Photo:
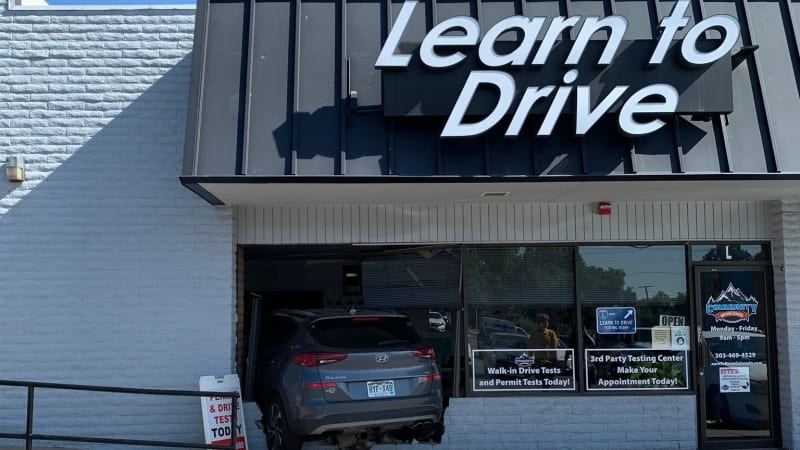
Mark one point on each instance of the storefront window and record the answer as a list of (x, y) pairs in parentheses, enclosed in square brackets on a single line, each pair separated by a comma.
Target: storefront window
[(635, 317), (521, 318), (423, 283), (729, 252)]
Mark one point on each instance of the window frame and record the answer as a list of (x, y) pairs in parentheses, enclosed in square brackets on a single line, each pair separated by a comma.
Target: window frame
[(579, 361), (466, 356)]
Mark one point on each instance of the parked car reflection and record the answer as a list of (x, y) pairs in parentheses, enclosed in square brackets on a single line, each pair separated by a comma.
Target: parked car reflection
[(737, 411), (436, 321)]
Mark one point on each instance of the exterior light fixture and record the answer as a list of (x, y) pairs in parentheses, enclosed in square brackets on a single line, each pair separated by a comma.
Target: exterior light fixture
[(15, 168)]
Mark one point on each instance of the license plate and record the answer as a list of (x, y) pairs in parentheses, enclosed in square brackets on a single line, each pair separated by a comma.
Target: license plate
[(380, 389)]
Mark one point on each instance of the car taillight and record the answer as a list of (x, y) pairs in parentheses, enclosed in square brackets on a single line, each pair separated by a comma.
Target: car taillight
[(325, 385), (429, 378), (425, 352), (311, 359)]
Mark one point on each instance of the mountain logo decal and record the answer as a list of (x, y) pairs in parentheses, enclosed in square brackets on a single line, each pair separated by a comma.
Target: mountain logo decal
[(731, 306)]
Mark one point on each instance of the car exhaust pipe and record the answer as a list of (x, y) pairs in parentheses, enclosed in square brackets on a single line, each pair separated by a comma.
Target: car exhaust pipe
[(422, 425)]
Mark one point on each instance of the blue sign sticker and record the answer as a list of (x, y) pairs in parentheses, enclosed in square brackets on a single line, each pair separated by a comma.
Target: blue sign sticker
[(616, 320)]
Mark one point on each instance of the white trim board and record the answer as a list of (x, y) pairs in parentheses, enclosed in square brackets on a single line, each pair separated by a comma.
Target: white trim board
[(501, 223)]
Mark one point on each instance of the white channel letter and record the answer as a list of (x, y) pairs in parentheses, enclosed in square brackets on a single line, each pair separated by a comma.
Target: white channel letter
[(670, 25), (557, 25), (501, 80), (530, 30), (585, 117), (635, 105), (529, 98), (618, 26), (689, 50), (387, 57), (436, 38), (557, 106)]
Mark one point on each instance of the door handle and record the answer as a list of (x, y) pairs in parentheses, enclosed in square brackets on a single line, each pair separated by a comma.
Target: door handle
[(703, 349)]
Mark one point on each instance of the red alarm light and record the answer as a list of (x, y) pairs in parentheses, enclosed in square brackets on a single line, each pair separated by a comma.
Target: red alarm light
[(604, 209)]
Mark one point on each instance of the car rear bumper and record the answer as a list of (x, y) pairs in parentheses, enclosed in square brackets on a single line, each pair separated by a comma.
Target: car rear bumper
[(382, 424), (360, 416)]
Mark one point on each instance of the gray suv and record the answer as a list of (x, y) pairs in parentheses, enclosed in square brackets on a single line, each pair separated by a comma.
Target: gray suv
[(345, 373)]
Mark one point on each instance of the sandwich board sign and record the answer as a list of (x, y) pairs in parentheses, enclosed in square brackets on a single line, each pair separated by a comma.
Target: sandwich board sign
[(217, 422)]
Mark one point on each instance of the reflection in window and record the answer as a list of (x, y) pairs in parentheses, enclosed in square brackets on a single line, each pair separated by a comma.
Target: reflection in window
[(519, 275), (521, 328), (438, 329), (729, 252), (635, 317), (418, 278), (523, 349), (422, 283)]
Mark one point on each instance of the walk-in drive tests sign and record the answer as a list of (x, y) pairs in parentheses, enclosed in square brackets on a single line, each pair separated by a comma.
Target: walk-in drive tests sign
[(616, 320)]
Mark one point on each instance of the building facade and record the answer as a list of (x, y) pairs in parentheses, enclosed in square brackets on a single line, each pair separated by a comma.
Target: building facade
[(324, 169)]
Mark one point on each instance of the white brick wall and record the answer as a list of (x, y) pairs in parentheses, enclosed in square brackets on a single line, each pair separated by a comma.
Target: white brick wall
[(786, 261), (607, 423), (111, 272)]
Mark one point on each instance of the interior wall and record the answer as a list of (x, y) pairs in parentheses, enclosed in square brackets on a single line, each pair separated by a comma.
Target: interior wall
[(296, 276)]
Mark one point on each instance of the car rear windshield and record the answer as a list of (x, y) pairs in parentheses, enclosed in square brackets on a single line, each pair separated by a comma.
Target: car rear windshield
[(364, 332)]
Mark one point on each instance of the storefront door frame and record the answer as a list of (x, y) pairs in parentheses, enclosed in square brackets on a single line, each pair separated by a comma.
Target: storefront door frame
[(697, 269)]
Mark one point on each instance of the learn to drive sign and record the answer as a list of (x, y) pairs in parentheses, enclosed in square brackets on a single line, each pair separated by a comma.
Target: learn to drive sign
[(448, 44), (616, 320), (217, 418)]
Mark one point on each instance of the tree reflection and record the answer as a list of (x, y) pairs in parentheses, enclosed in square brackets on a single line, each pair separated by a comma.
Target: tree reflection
[(729, 253)]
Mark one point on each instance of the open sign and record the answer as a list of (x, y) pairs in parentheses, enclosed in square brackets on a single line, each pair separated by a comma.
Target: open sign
[(669, 321)]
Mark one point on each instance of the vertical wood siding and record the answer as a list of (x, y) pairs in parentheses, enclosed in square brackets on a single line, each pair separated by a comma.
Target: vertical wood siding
[(509, 222)]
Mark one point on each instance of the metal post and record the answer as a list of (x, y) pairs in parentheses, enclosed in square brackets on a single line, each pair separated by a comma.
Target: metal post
[(234, 418), (28, 436), (29, 421)]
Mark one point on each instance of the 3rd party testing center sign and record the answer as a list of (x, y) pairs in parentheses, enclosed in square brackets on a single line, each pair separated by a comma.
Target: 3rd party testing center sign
[(217, 420)]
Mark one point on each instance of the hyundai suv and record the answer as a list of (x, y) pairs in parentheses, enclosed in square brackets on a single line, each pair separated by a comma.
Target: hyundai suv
[(333, 373)]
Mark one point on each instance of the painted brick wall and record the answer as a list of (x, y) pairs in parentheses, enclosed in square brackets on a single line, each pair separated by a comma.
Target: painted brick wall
[(111, 272), (786, 261), (612, 423)]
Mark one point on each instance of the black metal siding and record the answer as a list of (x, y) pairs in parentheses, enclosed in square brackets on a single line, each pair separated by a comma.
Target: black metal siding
[(299, 60)]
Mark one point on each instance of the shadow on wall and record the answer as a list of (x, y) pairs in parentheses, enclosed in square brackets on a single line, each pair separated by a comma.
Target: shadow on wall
[(112, 272), (319, 135)]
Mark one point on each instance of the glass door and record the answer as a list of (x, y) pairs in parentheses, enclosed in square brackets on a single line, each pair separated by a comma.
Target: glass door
[(736, 378)]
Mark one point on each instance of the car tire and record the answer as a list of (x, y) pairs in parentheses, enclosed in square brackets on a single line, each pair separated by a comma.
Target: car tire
[(279, 437)]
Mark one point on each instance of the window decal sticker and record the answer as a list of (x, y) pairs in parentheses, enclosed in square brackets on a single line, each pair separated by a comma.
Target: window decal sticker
[(731, 306)]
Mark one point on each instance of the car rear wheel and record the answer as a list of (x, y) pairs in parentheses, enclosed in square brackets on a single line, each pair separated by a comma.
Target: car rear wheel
[(278, 435)]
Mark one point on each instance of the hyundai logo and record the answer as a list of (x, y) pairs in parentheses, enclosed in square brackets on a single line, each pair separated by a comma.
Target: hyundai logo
[(381, 359)]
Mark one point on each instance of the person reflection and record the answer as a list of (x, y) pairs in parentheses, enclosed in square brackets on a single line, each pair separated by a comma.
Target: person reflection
[(543, 338)]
